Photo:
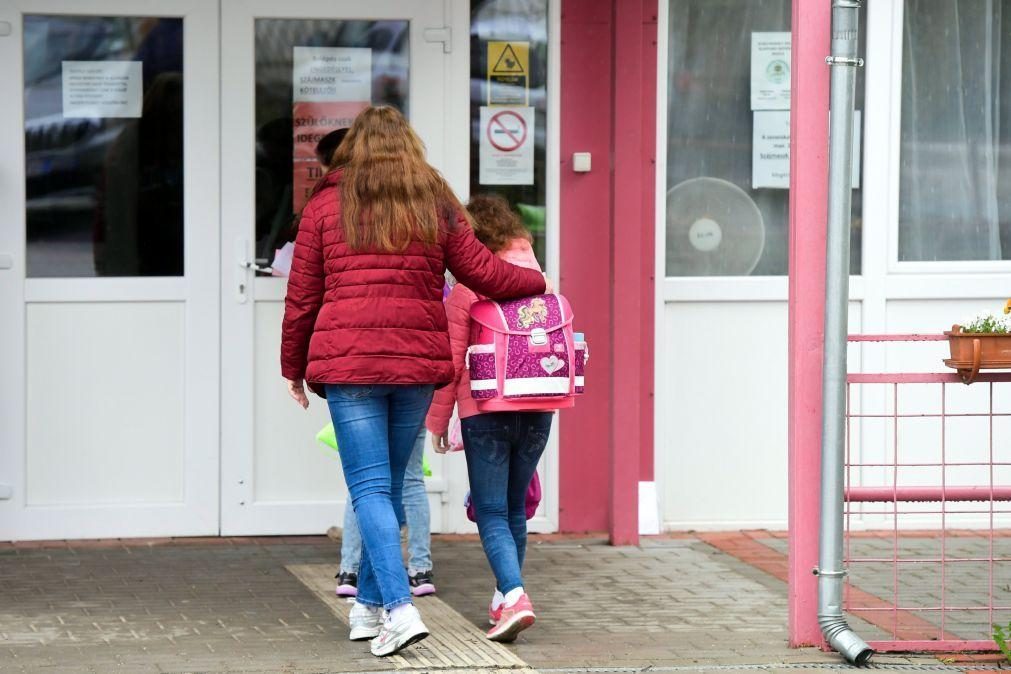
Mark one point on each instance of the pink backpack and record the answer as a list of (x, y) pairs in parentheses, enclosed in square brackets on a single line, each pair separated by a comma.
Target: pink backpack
[(522, 355)]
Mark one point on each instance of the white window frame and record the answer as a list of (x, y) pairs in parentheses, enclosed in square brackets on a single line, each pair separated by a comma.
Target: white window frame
[(895, 17), (709, 288)]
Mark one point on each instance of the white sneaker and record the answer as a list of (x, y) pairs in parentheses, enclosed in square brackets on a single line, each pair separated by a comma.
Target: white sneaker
[(395, 635), (365, 621)]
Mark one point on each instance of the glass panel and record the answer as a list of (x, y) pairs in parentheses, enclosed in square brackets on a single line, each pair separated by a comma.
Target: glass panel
[(727, 155), (955, 173), (103, 146), (509, 103), (313, 76)]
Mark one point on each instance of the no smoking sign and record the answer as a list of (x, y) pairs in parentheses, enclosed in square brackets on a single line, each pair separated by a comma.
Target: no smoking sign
[(507, 131), (507, 152)]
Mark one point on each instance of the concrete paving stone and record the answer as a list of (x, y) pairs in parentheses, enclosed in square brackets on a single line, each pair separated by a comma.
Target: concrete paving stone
[(232, 606)]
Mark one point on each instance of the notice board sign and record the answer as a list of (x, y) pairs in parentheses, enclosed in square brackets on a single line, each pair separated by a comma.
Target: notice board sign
[(770, 71), (509, 73), (96, 89), (330, 86), (507, 146)]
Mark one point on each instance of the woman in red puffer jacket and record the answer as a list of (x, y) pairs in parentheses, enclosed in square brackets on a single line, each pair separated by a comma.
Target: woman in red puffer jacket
[(364, 325)]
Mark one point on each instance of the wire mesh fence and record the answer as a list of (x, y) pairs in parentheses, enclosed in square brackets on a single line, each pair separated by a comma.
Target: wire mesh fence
[(928, 501)]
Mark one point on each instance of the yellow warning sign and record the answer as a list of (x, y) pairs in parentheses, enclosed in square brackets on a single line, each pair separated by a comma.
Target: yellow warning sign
[(508, 73)]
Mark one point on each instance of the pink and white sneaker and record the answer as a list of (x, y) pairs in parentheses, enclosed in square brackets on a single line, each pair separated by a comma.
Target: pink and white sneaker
[(494, 614), (512, 620)]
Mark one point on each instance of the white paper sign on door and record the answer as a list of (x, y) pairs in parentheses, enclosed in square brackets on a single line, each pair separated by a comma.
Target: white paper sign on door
[(102, 89), (330, 86), (770, 71), (332, 74), (507, 146), (770, 149)]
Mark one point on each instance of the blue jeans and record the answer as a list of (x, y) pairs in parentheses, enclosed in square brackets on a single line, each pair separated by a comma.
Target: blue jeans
[(376, 426), (502, 450), (419, 535)]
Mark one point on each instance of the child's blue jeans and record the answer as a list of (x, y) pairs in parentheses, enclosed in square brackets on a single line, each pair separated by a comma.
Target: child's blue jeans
[(502, 450)]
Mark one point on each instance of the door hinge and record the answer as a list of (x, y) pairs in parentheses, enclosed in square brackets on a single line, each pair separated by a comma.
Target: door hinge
[(6, 492), (443, 35)]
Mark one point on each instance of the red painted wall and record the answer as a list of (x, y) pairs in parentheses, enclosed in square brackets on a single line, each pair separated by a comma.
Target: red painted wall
[(608, 104), (649, 159), (585, 279)]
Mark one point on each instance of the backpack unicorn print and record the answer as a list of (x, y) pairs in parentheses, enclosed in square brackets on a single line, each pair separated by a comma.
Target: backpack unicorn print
[(522, 355)]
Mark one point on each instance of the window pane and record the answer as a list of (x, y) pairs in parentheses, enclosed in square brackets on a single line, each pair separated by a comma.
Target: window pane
[(718, 222), (509, 76), (343, 67), (955, 174), (103, 146)]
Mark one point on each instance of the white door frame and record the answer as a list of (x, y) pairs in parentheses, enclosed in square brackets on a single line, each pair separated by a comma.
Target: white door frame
[(445, 132), (197, 512)]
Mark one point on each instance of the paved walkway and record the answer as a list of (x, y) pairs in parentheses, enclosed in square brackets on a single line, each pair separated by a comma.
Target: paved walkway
[(693, 603)]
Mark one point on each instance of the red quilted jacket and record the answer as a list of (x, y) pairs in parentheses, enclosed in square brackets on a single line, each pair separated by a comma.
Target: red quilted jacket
[(357, 317)]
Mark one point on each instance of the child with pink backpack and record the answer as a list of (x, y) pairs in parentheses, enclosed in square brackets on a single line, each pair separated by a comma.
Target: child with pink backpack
[(516, 362)]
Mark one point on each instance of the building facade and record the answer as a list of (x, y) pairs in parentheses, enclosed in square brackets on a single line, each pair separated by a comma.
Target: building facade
[(160, 150)]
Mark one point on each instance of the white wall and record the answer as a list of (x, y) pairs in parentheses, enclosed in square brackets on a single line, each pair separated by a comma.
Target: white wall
[(721, 351), (721, 445)]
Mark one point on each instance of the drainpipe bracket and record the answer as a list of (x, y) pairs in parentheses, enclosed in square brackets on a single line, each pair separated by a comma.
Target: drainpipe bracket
[(830, 574), (844, 61)]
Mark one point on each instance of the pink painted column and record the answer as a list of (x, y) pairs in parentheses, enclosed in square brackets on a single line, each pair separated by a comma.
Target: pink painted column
[(647, 268), (585, 202), (607, 220), (627, 260), (808, 216)]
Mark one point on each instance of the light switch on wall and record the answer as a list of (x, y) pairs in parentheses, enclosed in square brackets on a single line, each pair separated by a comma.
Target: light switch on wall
[(581, 162)]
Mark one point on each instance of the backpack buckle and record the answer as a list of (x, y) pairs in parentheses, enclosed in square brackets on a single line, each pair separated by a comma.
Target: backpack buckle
[(538, 337)]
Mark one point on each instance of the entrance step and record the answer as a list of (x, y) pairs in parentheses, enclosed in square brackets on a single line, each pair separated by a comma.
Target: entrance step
[(455, 643)]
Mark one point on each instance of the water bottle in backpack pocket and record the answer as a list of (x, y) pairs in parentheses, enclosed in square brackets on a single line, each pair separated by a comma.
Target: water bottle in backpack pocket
[(523, 355)]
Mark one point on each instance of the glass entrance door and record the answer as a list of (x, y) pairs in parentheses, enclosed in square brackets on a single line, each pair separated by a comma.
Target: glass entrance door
[(108, 251), (291, 74)]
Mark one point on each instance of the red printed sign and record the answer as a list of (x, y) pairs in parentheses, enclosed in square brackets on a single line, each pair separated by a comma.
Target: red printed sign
[(311, 121)]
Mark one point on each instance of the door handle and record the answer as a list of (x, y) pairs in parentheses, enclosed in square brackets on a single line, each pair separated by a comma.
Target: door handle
[(256, 266), (6, 261), (245, 263)]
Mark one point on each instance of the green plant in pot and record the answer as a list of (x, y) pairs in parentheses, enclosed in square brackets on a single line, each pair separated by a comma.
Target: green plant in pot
[(981, 343)]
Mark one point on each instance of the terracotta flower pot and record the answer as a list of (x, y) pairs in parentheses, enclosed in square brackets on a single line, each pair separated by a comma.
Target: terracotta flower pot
[(975, 351)]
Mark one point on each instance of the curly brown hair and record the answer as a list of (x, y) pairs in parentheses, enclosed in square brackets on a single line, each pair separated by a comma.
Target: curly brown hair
[(496, 224)]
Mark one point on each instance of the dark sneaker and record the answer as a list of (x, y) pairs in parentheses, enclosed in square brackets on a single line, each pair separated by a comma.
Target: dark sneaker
[(421, 583), (347, 584)]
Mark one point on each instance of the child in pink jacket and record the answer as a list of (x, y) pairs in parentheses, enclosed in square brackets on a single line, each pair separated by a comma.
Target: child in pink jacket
[(502, 448)]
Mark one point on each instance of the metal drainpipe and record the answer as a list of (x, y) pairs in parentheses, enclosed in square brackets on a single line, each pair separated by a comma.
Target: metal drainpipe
[(844, 62)]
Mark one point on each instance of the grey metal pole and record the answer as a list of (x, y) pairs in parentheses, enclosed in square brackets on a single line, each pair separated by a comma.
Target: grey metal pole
[(844, 63)]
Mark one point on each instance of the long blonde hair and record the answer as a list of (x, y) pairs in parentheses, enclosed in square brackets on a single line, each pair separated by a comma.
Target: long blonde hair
[(390, 196)]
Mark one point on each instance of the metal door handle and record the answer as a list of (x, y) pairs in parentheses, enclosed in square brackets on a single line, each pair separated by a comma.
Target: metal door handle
[(255, 266)]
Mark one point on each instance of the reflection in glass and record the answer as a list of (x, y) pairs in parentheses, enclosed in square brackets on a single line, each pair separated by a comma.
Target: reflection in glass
[(104, 186), (955, 174), (522, 21), (709, 135), (374, 57)]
